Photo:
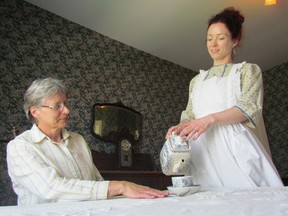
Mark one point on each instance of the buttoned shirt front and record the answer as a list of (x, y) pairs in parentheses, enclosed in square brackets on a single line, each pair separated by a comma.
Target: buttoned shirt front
[(44, 171)]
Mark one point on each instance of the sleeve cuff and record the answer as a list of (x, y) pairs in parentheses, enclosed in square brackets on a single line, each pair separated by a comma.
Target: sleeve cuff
[(101, 190), (251, 122)]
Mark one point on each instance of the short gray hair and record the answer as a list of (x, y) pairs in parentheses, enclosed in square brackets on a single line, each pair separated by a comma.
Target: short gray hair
[(41, 89)]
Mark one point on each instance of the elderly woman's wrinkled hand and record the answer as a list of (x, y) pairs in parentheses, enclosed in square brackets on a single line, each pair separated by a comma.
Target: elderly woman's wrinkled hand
[(132, 190)]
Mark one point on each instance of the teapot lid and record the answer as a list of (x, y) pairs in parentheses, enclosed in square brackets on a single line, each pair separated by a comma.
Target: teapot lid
[(178, 143)]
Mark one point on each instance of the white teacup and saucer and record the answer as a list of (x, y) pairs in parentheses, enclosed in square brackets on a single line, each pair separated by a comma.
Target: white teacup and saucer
[(183, 185)]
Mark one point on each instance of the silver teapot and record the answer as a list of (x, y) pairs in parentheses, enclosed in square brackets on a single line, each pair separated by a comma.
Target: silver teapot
[(174, 156)]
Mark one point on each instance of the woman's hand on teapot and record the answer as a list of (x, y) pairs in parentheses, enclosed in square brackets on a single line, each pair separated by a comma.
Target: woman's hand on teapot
[(176, 129), (196, 127)]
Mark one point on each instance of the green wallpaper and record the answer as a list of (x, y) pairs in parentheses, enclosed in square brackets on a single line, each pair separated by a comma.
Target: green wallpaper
[(35, 43), (275, 114), (97, 69)]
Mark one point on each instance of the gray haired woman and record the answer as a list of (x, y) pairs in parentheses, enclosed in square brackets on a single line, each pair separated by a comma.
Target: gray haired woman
[(50, 164)]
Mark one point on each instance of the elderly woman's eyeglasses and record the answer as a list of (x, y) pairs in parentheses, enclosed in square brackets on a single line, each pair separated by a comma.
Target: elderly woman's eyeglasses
[(57, 107)]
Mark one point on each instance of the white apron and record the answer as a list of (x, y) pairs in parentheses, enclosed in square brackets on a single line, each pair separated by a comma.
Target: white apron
[(227, 155)]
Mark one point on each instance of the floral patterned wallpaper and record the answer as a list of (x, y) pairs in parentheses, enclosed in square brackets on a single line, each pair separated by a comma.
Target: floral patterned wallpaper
[(275, 113), (97, 69), (35, 43)]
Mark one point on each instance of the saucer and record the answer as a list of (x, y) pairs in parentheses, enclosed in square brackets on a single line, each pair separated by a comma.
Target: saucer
[(183, 191)]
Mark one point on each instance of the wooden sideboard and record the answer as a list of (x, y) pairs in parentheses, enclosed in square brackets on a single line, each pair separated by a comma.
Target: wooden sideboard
[(154, 179), (141, 172)]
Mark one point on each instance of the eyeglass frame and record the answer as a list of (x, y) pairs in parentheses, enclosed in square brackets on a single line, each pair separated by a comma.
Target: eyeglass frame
[(57, 107)]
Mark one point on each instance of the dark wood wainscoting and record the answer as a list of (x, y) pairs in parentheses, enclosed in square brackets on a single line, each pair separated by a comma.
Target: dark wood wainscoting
[(141, 172)]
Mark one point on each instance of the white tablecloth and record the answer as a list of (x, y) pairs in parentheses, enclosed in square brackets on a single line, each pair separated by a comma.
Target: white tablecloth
[(258, 201)]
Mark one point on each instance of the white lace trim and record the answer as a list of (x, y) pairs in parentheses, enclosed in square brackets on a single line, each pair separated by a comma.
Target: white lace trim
[(233, 84)]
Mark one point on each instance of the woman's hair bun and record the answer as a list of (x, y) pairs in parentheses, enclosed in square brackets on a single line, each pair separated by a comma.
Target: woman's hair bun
[(232, 18)]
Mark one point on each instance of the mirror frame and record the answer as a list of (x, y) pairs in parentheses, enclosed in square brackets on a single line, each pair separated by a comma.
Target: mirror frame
[(120, 105)]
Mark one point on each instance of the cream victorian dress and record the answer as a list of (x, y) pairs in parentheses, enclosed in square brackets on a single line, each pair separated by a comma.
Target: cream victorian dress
[(229, 155)]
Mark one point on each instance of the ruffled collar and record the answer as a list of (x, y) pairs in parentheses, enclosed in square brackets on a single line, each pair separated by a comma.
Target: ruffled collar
[(217, 70)]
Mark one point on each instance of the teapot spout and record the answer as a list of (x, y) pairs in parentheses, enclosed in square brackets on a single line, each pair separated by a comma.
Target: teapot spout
[(181, 168)]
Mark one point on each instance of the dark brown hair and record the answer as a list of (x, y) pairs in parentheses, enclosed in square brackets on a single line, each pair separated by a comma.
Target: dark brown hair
[(233, 20)]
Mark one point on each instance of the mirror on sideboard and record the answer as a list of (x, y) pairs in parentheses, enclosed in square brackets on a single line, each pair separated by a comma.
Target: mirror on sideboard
[(112, 122)]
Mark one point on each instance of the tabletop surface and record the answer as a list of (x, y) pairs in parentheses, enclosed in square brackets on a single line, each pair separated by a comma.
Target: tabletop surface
[(236, 202)]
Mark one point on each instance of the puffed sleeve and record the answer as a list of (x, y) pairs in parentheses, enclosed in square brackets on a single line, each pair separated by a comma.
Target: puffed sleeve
[(188, 114), (251, 100)]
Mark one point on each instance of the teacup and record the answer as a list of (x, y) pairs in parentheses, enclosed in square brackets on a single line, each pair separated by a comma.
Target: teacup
[(182, 181)]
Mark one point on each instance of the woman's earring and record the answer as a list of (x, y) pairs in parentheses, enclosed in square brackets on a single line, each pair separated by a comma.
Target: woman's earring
[(234, 51)]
